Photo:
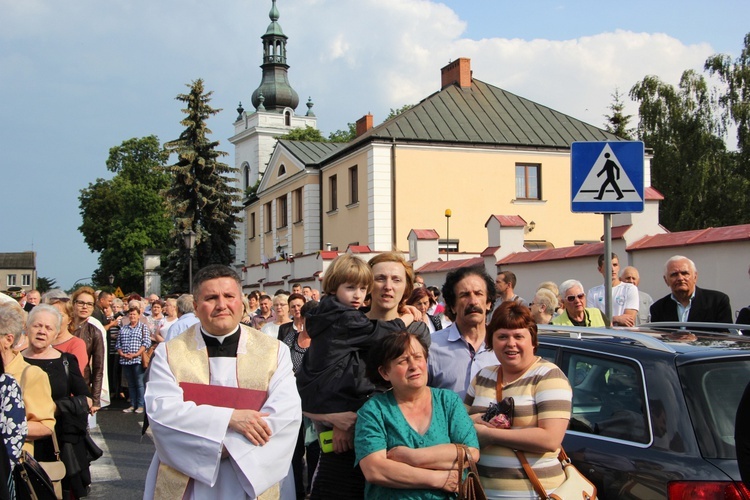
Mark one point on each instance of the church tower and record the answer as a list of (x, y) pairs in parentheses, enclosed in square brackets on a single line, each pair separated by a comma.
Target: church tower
[(275, 102)]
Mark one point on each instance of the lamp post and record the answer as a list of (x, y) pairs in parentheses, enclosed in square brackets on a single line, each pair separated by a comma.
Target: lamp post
[(111, 279), (188, 237), (447, 234)]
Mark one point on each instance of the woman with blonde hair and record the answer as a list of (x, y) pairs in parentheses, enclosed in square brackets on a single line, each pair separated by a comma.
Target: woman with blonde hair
[(280, 305)]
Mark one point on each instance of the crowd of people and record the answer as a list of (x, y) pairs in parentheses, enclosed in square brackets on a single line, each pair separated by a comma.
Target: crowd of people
[(374, 387)]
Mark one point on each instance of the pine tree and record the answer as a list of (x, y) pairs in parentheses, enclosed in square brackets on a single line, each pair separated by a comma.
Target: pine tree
[(617, 122), (201, 197)]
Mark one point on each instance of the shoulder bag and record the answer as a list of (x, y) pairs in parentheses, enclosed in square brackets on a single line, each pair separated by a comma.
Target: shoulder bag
[(575, 486), (469, 486)]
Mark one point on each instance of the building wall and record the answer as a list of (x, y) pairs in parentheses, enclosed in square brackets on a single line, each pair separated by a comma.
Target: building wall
[(476, 182), (19, 274)]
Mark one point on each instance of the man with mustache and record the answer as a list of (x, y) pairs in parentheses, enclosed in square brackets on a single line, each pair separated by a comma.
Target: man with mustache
[(459, 351)]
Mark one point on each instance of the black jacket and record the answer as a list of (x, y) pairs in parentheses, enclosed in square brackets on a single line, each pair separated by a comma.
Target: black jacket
[(332, 376), (707, 306)]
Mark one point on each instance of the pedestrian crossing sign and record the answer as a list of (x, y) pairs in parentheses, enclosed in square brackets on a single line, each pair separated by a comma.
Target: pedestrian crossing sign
[(607, 177)]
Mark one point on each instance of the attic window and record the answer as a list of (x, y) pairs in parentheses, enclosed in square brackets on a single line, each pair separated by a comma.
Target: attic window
[(282, 170)]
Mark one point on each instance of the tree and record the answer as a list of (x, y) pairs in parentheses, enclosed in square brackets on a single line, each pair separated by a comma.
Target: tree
[(691, 165), (45, 284), (125, 215), (617, 122), (735, 98), (304, 134), (201, 197), (344, 135)]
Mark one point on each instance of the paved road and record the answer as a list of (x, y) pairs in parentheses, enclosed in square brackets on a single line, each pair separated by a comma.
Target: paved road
[(121, 473)]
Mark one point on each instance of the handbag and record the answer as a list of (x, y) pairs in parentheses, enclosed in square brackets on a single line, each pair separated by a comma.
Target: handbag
[(575, 485), (32, 480), (469, 486), (147, 354)]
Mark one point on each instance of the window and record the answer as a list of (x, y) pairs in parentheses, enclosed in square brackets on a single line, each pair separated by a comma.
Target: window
[(282, 170), (353, 186), (252, 225), (332, 186), (281, 220), (26, 280), (297, 202), (246, 175), (11, 281), (450, 245), (267, 215), (528, 182), (608, 397)]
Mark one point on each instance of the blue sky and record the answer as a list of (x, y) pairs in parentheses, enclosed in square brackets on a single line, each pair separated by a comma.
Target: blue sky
[(80, 77)]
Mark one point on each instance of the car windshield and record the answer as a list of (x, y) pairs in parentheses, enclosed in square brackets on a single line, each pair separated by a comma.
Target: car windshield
[(713, 390)]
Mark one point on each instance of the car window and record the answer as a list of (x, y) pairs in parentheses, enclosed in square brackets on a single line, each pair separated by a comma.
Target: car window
[(546, 352), (608, 397), (713, 391)]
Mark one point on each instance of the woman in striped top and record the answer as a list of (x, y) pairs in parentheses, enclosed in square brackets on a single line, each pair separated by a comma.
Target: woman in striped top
[(542, 398)]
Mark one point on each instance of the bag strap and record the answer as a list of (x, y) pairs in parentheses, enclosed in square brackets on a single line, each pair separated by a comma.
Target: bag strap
[(532, 475)]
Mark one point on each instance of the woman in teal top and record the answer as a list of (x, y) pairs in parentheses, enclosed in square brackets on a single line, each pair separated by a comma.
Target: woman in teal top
[(404, 437)]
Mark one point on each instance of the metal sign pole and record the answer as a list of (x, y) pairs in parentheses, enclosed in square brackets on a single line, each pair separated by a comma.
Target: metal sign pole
[(607, 269)]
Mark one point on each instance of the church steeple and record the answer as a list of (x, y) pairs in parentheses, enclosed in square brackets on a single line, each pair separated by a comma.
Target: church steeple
[(274, 87)]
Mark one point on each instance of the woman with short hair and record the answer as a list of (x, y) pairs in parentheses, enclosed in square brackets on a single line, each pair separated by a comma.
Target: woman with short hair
[(132, 342), (542, 404), (280, 305)]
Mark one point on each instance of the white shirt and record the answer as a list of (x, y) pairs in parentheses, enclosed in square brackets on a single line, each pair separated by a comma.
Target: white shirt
[(624, 296)]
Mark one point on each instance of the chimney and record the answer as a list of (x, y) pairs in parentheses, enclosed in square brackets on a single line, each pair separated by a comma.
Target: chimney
[(456, 73), (364, 124)]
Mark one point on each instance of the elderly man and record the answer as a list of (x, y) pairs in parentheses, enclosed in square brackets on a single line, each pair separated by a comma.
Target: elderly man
[(576, 313), (630, 275), (33, 297), (458, 352), (185, 316), (687, 302), (236, 442), (624, 295)]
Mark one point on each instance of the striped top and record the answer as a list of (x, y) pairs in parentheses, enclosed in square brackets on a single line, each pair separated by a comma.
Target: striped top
[(542, 392)]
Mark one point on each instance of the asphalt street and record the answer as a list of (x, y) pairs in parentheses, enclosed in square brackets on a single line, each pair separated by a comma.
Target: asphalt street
[(121, 472)]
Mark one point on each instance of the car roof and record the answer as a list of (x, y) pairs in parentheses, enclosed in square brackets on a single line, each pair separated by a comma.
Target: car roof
[(685, 341)]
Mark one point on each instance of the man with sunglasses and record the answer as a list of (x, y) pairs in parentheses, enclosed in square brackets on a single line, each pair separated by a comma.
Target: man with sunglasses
[(576, 313)]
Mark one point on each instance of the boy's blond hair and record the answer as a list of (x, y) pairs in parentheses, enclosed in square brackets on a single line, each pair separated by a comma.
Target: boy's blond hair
[(347, 268)]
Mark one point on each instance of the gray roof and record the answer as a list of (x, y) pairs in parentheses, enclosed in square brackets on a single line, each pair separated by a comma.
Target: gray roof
[(487, 115), (312, 153), (18, 260)]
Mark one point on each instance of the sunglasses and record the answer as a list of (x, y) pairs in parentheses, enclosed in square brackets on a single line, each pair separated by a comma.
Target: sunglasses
[(572, 298)]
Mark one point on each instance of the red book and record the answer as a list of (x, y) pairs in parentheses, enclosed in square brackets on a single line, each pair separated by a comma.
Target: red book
[(225, 397)]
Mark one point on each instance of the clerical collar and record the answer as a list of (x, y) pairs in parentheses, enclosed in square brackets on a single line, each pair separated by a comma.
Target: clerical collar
[(224, 346)]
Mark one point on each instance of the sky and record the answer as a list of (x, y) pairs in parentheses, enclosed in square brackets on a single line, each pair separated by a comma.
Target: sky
[(82, 76)]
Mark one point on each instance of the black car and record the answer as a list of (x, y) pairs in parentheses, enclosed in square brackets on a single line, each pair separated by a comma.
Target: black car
[(653, 407)]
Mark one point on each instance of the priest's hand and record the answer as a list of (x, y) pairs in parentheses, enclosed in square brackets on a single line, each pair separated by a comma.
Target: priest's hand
[(250, 424)]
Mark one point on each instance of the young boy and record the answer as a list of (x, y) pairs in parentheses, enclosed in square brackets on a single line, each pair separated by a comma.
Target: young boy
[(332, 376)]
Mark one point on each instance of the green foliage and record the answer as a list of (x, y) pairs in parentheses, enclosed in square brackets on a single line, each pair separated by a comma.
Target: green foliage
[(124, 215), (201, 197), (395, 112), (45, 284), (691, 165), (344, 135), (617, 122), (304, 134)]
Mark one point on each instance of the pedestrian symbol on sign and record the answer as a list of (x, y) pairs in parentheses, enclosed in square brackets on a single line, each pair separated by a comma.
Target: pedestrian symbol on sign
[(607, 180)]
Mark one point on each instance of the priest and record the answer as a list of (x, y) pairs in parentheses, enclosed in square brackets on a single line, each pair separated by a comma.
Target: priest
[(235, 441)]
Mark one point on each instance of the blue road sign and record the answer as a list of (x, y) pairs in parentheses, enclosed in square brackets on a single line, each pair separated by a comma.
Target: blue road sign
[(607, 177)]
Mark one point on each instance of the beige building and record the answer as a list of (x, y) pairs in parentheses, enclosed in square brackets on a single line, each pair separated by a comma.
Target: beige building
[(470, 147), (18, 269)]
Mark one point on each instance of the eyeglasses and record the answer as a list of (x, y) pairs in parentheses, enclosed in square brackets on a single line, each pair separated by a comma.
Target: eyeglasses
[(83, 304), (572, 298)]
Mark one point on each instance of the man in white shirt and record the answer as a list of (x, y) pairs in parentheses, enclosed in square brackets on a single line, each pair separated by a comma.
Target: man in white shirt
[(221, 447), (624, 296)]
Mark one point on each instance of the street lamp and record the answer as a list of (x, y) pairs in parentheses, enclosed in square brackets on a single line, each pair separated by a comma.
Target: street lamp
[(447, 234), (111, 279), (188, 238)]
